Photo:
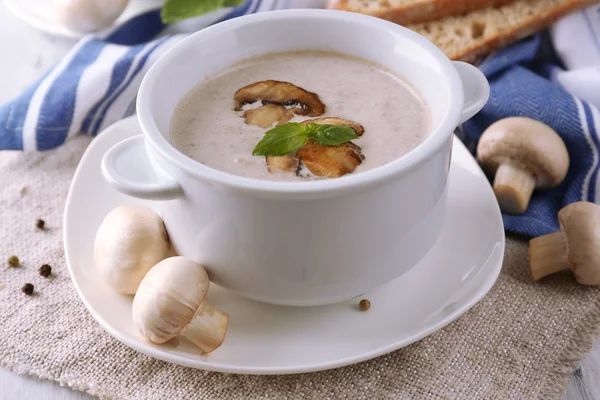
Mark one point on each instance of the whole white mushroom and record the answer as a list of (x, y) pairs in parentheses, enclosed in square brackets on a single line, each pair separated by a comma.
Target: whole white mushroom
[(576, 246), (130, 241), (86, 16), (524, 155), (171, 300)]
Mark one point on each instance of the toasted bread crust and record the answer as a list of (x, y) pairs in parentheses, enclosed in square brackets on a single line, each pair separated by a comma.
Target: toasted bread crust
[(420, 10), (520, 31), (471, 49)]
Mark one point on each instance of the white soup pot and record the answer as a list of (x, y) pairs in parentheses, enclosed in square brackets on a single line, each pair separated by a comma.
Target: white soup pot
[(299, 243)]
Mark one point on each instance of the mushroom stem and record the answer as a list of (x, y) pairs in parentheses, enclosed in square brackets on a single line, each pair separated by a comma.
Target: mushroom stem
[(548, 255), (513, 187), (207, 329)]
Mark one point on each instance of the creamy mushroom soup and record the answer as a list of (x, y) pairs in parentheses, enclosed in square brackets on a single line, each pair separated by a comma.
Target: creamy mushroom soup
[(334, 115)]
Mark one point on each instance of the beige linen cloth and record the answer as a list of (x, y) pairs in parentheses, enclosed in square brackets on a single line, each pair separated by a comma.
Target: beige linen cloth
[(522, 341)]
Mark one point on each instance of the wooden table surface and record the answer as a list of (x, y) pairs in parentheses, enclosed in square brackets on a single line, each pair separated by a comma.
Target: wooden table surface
[(27, 53)]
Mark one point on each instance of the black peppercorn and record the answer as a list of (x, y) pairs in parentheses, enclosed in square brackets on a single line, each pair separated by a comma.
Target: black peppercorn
[(13, 261), (27, 289), (45, 270), (40, 224)]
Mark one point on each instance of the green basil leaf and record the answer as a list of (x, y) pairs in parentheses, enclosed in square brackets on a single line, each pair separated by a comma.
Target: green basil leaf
[(233, 3), (177, 10), (331, 135), (281, 140)]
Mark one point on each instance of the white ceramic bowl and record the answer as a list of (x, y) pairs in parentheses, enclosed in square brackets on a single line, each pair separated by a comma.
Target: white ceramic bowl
[(299, 243)]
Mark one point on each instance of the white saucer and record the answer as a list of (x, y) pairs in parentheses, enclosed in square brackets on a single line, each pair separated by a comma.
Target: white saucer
[(266, 339), (40, 14)]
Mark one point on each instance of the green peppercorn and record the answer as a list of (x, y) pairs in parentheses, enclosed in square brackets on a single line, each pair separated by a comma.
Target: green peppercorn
[(13, 261)]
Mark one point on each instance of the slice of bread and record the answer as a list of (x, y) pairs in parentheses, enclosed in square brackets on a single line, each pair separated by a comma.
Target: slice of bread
[(405, 12), (478, 33)]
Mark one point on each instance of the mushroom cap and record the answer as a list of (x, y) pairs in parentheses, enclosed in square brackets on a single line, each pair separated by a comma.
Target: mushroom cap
[(169, 297), (280, 92), (130, 241), (527, 144), (581, 224)]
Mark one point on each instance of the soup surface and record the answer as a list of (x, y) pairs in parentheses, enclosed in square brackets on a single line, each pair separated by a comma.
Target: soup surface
[(206, 127)]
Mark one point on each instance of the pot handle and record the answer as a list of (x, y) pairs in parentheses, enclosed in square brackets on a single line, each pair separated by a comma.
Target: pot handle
[(476, 89), (126, 167)]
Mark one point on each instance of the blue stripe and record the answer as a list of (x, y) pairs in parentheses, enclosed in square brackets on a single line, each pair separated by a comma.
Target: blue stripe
[(138, 29), (119, 73), (590, 122), (58, 106), (139, 67), (13, 114)]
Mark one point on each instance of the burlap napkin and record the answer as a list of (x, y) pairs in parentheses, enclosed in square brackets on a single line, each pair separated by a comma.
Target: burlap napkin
[(521, 341)]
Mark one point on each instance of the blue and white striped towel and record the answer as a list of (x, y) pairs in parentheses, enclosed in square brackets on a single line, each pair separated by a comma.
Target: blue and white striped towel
[(96, 84)]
